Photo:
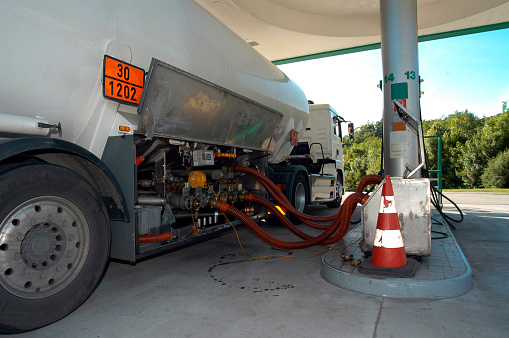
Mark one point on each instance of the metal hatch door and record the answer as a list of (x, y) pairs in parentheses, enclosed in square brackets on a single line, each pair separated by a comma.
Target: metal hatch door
[(179, 105)]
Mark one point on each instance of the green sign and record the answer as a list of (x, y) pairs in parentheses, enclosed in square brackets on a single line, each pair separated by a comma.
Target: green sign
[(399, 90)]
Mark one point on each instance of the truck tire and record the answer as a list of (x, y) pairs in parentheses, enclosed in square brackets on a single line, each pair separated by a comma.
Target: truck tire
[(54, 245), (300, 195), (339, 193)]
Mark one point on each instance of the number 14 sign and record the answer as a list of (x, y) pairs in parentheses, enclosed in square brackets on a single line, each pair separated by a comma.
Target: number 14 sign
[(122, 82)]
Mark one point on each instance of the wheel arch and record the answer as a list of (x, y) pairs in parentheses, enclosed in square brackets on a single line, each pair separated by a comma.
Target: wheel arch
[(73, 157), (286, 174)]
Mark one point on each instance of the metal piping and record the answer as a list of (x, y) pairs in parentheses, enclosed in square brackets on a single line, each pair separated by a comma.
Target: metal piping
[(151, 200), (26, 125)]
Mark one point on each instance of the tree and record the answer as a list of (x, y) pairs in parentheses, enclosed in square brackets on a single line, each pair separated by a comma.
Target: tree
[(490, 139), (362, 157), (455, 129), (370, 129), (470, 148), (496, 174)]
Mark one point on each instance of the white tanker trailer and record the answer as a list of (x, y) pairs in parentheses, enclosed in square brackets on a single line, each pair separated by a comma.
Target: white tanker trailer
[(120, 125)]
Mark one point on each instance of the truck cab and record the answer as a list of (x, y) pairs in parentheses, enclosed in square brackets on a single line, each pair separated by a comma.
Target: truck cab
[(324, 138), (313, 173)]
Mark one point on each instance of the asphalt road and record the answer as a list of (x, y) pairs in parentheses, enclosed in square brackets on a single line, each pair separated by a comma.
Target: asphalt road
[(477, 198)]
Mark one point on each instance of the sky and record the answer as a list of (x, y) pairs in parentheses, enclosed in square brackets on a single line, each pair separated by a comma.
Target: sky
[(469, 72)]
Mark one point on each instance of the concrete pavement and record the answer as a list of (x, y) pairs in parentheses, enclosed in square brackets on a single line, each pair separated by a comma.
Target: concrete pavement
[(213, 289)]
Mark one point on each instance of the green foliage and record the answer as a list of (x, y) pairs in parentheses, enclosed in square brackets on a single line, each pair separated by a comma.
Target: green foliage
[(455, 130), (491, 139), (370, 129), (474, 150), (496, 174), (362, 159), (363, 156)]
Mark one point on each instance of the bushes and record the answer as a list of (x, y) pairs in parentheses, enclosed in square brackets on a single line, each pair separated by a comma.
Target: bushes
[(490, 140), (496, 174), (361, 159), (455, 129), (474, 150), (363, 156)]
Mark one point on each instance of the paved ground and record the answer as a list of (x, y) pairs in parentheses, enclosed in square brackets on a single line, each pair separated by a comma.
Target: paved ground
[(212, 289), (477, 198)]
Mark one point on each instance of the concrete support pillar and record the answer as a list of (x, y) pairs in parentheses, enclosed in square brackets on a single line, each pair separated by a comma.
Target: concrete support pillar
[(400, 81)]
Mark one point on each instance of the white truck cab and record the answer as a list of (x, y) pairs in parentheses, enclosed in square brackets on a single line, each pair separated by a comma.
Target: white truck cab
[(313, 173)]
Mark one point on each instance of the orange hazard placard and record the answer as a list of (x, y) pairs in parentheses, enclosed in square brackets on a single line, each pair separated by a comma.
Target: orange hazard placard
[(398, 125), (122, 82)]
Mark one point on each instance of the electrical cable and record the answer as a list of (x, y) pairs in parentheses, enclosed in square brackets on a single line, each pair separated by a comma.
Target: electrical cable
[(435, 193), (286, 256), (444, 235)]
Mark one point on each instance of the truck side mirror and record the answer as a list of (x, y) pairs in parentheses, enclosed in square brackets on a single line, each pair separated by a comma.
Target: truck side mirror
[(350, 132)]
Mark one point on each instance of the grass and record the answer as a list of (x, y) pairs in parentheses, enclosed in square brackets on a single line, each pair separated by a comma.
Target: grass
[(496, 190), (487, 190)]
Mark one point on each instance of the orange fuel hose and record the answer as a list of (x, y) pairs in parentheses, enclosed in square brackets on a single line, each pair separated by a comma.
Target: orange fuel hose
[(274, 191), (341, 221), (332, 235), (155, 238)]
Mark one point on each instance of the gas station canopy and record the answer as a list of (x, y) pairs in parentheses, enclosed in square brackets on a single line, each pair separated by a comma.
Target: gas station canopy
[(295, 30)]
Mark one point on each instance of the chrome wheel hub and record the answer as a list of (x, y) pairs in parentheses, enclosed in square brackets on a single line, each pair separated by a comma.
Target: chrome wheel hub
[(44, 243)]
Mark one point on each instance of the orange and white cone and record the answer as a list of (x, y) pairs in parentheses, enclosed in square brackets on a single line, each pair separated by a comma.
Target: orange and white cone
[(388, 248)]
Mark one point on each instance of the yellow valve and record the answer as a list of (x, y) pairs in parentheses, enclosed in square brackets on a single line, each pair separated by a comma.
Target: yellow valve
[(197, 179)]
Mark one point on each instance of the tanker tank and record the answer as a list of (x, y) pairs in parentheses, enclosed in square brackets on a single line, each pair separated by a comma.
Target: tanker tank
[(52, 62)]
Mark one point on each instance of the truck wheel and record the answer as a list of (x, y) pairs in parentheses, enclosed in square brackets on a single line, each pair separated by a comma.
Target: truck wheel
[(54, 245), (339, 193), (300, 196)]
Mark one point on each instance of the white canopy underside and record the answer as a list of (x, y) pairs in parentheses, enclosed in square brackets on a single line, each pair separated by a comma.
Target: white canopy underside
[(293, 30)]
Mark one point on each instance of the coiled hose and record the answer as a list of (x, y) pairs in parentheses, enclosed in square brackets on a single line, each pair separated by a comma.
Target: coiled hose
[(274, 191), (333, 232)]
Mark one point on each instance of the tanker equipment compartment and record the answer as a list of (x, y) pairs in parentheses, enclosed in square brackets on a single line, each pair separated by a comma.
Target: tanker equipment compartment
[(84, 177), (188, 142)]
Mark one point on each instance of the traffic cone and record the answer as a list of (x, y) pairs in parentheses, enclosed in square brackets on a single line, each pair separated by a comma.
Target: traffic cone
[(388, 258), (388, 248)]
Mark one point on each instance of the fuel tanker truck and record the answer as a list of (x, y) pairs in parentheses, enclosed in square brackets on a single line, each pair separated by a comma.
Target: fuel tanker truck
[(128, 128)]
